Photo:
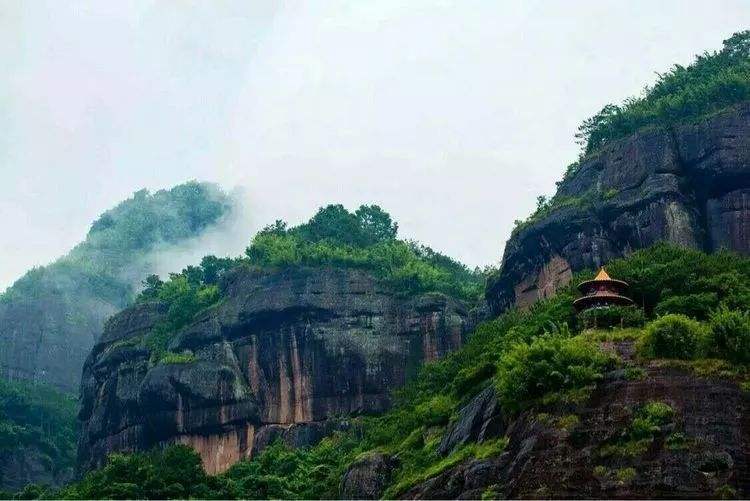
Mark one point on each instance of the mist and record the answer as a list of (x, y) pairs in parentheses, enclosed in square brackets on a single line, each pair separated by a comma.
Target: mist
[(452, 116), (229, 237)]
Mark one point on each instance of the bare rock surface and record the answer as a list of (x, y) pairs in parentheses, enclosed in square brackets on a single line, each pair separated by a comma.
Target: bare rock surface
[(285, 355), (368, 477)]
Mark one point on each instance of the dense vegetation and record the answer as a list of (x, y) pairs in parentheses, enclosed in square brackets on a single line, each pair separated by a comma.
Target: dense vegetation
[(537, 358), (186, 294), (363, 239), (713, 81), (40, 418)]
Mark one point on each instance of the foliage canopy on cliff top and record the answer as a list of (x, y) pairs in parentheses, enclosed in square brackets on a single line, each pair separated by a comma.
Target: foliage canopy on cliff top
[(713, 81), (334, 236), (366, 238)]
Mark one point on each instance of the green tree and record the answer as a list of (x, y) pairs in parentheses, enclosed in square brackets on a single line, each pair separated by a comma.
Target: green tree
[(375, 225)]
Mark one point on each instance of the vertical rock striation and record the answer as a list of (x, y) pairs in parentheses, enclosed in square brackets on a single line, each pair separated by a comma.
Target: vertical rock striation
[(284, 353)]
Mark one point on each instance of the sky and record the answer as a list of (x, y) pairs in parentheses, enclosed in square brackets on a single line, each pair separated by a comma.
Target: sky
[(451, 115)]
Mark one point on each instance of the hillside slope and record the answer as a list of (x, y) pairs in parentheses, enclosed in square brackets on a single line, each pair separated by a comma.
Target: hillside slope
[(532, 405), (50, 317)]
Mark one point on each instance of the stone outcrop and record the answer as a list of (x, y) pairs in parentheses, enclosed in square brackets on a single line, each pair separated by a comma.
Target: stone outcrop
[(479, 419), (702, 453), (368, 477), (689, 185), (285, 355)]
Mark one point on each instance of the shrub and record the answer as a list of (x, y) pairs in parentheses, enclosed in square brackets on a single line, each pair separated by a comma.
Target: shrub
[(469, 380), (696, 306), (549, 363), (672, 336), (178, 358), (613, 316), (729, 336), (638, 436), (436, 411), (664, 271)]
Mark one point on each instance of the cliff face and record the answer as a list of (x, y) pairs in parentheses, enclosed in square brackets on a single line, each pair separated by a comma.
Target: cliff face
[(46, 338), (285, 354), (689, 185)]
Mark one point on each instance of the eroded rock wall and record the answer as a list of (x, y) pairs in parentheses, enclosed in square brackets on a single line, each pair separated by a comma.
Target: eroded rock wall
[(689, 185), (702, 453), (283, 354)]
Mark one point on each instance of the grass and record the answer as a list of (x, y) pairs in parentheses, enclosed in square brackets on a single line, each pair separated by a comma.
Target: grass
[(490, 493), (635, 374), (678, 441), (484, 450), (640, 433), (177, 358), (630, 448), (622, 475), (614, 335), (625, 475), (709, 367), (725, 492), (610, 194), (574, 396), (567, 423)]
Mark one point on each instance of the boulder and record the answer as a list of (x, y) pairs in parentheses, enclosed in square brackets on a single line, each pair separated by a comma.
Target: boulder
[(478, 420), (368, 477)]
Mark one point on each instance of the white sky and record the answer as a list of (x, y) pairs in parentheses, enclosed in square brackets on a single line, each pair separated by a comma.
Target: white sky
[(451, 115)]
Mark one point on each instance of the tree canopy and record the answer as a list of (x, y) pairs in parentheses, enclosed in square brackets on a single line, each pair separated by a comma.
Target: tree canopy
[(712, 82)]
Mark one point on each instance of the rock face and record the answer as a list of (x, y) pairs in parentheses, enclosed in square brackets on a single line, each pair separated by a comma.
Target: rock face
[(45, 339), (702, 453), (283, 355), (367, 478), (481, 418), (689, 185)]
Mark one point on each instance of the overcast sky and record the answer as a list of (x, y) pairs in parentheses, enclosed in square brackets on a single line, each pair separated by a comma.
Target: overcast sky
[(453, 116)]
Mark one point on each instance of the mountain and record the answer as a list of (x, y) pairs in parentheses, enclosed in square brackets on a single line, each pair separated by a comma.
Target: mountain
[(314, 325), (532, 405), (51, 317), (298, 370), (688, 184)]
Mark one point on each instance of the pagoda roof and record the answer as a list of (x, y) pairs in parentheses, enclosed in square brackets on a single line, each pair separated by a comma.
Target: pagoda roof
[(602, 278), (602, 275)]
